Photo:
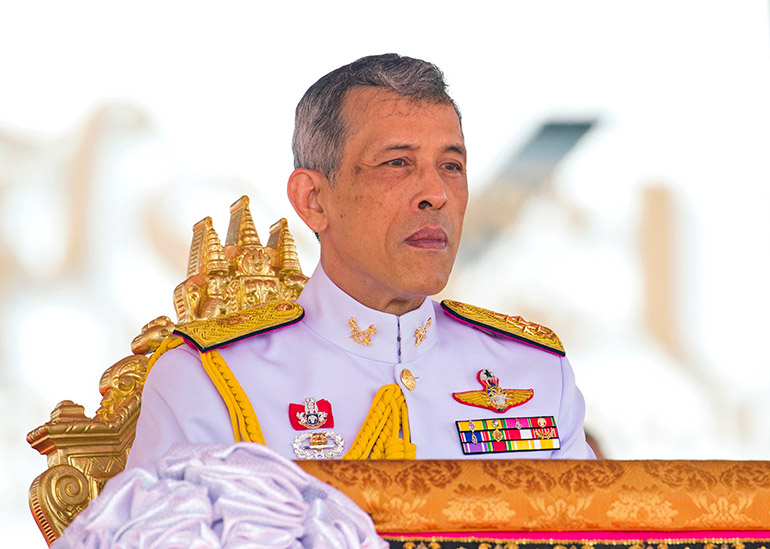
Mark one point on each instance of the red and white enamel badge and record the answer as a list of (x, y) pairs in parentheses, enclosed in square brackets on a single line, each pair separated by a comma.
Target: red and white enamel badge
[(493, 397), (312, 415)]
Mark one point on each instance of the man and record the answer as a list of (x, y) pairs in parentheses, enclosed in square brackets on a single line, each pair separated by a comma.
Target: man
[(364, 365)]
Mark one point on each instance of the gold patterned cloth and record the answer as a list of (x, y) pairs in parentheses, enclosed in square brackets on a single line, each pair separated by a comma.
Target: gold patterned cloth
[(216, 332), (456, 496)]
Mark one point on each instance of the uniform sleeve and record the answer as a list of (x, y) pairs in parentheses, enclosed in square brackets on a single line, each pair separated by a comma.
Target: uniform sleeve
[(179, 404), (572, 411)]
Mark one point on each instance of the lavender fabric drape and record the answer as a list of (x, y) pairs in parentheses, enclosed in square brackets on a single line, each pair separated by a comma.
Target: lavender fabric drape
[(211, 496)]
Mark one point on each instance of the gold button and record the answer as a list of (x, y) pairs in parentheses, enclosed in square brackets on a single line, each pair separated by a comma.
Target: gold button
[(407, 378)]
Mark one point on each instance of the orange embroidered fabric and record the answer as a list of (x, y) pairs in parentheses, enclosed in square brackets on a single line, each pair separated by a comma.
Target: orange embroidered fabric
[(563, 495)]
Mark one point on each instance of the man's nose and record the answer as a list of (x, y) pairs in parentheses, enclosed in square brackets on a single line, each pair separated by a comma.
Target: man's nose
[(432, 191)]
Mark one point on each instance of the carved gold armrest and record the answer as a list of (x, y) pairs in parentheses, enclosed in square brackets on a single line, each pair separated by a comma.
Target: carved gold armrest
[(83, 452)]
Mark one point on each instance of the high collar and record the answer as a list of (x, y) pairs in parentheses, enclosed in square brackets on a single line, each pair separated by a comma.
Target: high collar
[(329, 312)]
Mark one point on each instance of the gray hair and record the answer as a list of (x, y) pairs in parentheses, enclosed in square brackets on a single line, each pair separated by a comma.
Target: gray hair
[(320, 128)]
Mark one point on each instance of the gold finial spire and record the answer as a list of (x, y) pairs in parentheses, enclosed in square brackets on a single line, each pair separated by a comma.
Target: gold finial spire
[(283, 242), (248, 237), (215, 252), (242, 232), (196, 259), (242, 273)]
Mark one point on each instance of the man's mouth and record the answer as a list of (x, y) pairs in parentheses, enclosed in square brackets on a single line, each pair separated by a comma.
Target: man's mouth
[(429, 239)]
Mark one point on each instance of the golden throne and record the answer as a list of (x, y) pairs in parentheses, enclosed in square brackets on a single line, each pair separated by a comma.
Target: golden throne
[(84, 452), (428, 504)]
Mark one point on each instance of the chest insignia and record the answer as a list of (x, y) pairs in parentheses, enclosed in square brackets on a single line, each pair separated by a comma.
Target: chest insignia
[(493, 397), (362, 337), (318, 445), (509, 434), (312, 415), (312, 444), (420, 333)]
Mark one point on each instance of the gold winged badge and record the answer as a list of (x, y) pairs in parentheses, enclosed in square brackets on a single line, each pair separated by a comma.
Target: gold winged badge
[(493, 397)]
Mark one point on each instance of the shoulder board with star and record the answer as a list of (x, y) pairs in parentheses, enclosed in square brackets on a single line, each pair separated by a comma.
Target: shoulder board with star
[(206, 335), (513, 327)]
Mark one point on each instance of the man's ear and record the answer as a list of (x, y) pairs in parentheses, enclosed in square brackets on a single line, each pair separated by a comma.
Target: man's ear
[(304, 189)]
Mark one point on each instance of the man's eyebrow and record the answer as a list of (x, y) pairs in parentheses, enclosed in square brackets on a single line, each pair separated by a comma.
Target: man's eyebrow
[(399, 147), (456, 148)]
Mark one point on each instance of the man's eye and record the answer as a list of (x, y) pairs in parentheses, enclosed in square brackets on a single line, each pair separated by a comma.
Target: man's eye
[(453, 166), (396, 162)]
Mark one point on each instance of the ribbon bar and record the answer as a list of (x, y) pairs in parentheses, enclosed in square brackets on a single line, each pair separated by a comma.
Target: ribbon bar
[(481, 436)]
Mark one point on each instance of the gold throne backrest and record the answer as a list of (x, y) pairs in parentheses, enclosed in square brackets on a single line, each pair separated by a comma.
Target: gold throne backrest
[(84, 452)]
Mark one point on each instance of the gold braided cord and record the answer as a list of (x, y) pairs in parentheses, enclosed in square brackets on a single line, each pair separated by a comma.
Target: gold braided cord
[(227, 396), (378, 437), (242, 415), (410, 450), (373, 425), (388, 421), (166, 345)]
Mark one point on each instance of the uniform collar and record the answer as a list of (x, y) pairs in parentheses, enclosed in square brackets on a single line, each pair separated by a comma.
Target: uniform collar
[(329, 312)]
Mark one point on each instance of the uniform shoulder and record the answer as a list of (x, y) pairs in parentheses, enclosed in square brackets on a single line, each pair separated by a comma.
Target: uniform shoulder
[(513, 327), (206, 335)]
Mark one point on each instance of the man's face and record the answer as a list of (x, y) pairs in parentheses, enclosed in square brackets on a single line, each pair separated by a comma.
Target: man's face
[(395, 210)]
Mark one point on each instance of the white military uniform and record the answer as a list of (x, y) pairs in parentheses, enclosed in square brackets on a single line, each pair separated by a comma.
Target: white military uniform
[(318, 357)]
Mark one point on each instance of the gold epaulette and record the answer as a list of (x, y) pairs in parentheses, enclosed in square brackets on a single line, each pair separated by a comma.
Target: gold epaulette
[(215, 332), (513, 327)]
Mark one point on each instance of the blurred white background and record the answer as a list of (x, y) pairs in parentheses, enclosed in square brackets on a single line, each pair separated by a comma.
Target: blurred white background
[(644, 245)]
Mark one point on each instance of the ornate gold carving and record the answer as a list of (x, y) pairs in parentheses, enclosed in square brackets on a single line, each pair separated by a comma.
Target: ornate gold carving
[(56, 497), (241, 274), (362, 337), (512, 325), (420, 333), (152, 335), (84, 452)]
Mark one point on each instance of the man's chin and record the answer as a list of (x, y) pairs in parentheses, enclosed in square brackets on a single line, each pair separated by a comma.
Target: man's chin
[(432, 276), (430, 285)]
